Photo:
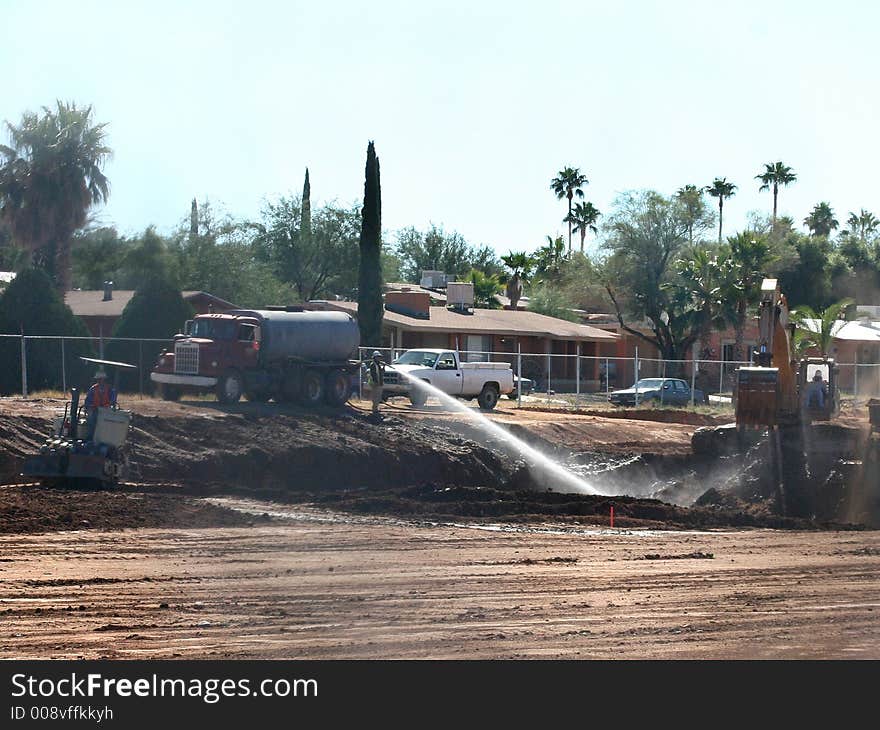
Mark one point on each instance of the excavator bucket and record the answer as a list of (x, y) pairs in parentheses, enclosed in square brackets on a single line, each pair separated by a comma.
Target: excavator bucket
[(757, 396)]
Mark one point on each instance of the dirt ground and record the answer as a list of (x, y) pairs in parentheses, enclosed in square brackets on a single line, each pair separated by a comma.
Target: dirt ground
[(263, 531), (329, 587)]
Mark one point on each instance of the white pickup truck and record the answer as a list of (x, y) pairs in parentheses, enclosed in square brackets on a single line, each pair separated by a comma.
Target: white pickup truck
[(485, 381)]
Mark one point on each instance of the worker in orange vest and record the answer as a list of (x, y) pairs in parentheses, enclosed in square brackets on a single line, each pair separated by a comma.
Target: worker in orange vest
[(100, 395)]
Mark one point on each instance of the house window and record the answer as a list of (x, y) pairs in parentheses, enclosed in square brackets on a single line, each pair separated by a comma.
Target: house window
[(478, 348), (728, 352)]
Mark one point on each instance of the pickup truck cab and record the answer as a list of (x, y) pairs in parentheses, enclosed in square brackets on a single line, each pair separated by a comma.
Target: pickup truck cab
[(485, 381)]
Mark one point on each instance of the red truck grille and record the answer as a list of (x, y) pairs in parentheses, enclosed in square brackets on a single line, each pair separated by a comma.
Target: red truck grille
[(186, 358)]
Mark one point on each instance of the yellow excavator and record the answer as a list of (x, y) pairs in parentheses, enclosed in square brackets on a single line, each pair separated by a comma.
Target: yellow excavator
[(777, 389)]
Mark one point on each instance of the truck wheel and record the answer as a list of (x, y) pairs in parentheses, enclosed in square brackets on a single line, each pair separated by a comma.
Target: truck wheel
[(488, 397), (230, 387), (312, 388), (337, 387), (169, 392)]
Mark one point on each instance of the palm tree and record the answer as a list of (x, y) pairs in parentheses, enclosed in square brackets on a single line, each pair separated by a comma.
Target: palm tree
[(821, 220), (548, 259), (749, 257), (485, 289), (775, 174), (691, 199), (863, 224), (821, 326), (568, 183), (520, 265), (50, 177), (583, 217), (706, 277), (721, 189)]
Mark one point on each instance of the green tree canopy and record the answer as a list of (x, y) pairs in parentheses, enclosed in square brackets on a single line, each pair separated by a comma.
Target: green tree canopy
[(821, 326), (646, 234), (821, 220), (697, 215), (50, 177), (32, 306), (775, 175), (437, 250), (485, 289), (721, 189), (568, 183), (370, 307), (519, 268)]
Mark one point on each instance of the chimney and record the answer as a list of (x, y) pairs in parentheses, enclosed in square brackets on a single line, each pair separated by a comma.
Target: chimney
[(108, 291), (409, 303)]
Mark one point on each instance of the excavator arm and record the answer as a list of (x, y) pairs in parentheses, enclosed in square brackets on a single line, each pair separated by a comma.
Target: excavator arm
[(767, 390)]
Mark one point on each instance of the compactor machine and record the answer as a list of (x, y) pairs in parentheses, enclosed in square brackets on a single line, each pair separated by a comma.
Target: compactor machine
[(70, 456)]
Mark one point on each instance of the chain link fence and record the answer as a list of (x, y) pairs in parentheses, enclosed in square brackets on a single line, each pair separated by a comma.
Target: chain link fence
[(582, 380), (38, 362), (29, 363)]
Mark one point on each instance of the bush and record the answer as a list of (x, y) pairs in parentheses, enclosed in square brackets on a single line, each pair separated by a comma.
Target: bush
[(30, 304), (156, 311)]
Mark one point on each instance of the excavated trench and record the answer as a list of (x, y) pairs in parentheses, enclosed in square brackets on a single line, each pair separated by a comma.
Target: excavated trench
[(425, 469)]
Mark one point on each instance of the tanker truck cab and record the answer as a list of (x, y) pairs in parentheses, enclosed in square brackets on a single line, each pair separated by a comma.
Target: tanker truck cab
[(285, 354), (485, 381)]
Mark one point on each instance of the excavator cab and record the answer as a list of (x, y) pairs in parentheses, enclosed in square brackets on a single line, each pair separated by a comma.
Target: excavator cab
[(817, 388), (766, 391)]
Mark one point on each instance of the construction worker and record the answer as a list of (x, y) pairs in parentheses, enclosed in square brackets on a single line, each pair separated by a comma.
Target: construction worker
[(376, 378), (817, 391), (100, 395)]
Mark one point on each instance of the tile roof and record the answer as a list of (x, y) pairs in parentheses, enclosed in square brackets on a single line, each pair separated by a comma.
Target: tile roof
[(485, 321), (90, 302), (859, 330)]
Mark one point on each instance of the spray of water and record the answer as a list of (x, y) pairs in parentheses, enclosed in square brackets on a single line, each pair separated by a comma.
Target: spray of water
[(543, 469)]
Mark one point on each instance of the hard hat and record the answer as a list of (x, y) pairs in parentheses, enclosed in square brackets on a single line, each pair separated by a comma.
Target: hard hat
[(100, 374), (376, 354)]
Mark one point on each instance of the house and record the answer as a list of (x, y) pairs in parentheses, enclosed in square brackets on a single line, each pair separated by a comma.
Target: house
[(100, 308), (410, 321), (856, 348)]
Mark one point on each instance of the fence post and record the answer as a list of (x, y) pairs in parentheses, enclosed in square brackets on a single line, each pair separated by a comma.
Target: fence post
[(63, 368), (518, 374), (577, 375), (141, 367), (636, 367), (720, 377), (361, 374), (24, 389), (856, 378), (548, 376), (662, 375), (607, 378), (693, 380)]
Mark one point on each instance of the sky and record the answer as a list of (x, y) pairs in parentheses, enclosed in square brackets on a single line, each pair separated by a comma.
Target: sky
[(473, 106)]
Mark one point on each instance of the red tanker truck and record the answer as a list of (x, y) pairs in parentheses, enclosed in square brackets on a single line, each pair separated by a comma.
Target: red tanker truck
[(284, 353)]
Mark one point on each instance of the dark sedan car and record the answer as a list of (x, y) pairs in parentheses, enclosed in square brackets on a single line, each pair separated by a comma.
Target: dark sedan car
[(527, 385), (658, 391)]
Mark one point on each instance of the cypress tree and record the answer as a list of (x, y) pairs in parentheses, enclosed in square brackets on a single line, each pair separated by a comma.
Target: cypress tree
[(306, 225), (193, 220), (370, 307)]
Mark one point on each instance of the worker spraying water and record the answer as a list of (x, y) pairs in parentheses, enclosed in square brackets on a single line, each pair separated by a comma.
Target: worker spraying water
[(544, 470)]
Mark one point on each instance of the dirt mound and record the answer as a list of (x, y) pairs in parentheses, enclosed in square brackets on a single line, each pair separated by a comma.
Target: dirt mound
[(276, 450), (34, 509), (443, 503), (660, 415)]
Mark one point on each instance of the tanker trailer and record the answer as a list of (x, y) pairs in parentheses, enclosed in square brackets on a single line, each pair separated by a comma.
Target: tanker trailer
[(284, 354)]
